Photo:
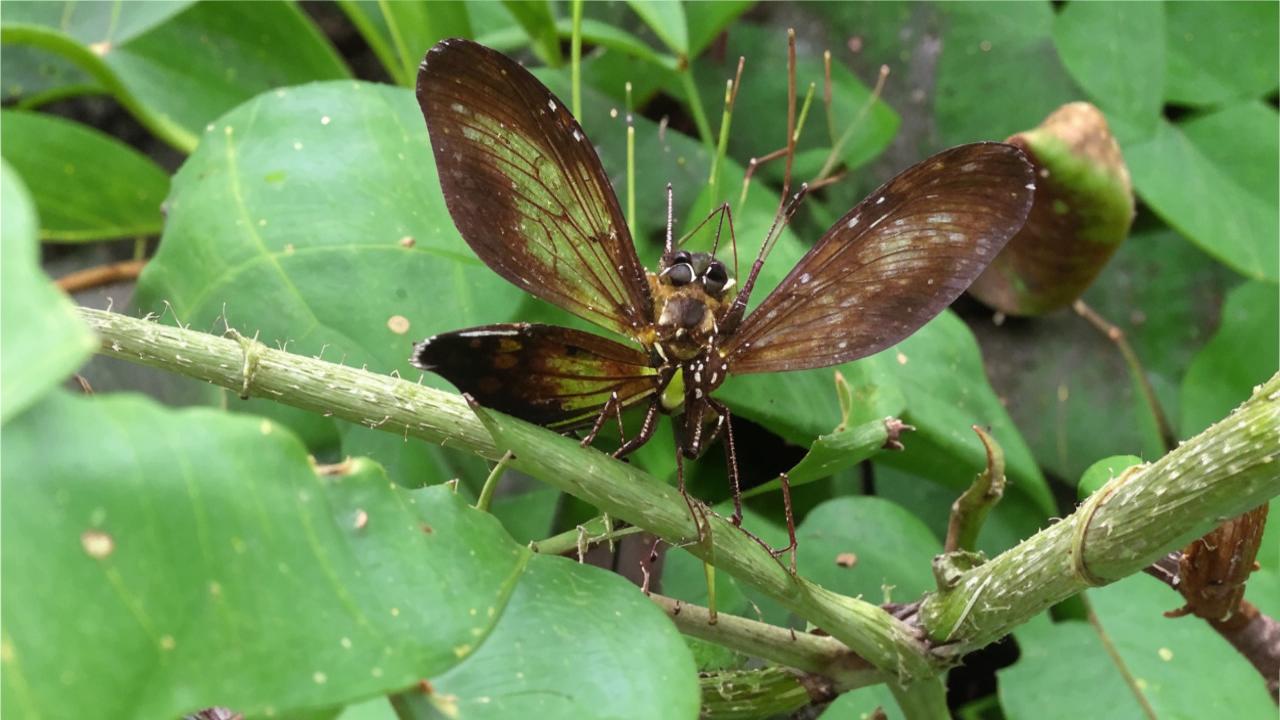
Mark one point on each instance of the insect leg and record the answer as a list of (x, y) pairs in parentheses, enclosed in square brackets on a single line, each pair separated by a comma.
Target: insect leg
[(791, 522), (604, 413), (725, 426), (646, 429)]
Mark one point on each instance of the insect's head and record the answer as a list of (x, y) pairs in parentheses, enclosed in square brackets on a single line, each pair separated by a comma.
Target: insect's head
[(682, 268)]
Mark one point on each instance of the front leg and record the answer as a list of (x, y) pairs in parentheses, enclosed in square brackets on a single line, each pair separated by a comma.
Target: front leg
[(646, 429)]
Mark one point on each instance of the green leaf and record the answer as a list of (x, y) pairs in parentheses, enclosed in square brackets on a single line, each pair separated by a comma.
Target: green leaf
[(1179, 667), (1069, 389), (42, 338), (532, 663), (1082, 212), (156, 567), (942, 377), (1239, 356), (1220, 52), (527, 516), (35, 76), (1099, 473), (1069, 664), (400, 33), (1203, 179), (302, 194), (87, 184), (183, 73), (862, 703), (1124, 74), (666, 19), (892, 549), (706, 20), (538, 21), (989, 48)]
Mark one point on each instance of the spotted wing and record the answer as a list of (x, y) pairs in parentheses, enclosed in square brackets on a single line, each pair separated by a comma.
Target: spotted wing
[(526, 189), (552, 376), (891, 264)]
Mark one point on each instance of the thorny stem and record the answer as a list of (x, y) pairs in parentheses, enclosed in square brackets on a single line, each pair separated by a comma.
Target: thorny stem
[(588, 533), (1113, 333), (1227, 469)]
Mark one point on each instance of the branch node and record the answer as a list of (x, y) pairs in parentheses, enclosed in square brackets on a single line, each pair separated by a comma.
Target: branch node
[(1081, 531)]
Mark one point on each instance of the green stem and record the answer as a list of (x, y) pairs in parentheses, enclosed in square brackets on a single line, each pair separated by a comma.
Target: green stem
[(575, 57), (491, 483), (970, 509), (696, 109), (924, 699), (84, 58), (591, 532)]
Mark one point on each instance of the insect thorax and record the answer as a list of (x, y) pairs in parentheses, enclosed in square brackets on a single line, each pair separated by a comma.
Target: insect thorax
[(685, 318)]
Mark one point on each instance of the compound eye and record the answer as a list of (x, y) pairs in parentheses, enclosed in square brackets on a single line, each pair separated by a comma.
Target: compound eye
[(681, 274), (715, 278), (682, 257)]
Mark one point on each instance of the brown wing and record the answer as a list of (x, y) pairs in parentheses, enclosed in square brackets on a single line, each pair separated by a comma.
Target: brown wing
[(552, 376), (889, 266), (526, 189)]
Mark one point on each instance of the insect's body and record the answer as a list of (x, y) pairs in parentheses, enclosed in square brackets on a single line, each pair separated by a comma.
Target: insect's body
[(527, 192)]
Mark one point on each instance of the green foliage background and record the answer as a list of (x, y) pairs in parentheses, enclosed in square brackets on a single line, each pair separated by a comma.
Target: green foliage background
[(237, 575)]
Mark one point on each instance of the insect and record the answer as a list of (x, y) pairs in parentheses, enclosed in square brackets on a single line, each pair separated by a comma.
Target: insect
[(528, 193)]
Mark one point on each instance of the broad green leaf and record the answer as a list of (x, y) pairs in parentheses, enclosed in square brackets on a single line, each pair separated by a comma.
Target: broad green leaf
[(1101, 472), (314, 217), (43, 340), (157, 564), (400, 33), (564, 624), (1115, 51), (527, 516), (988, 48), (666, 19), (892, 549), (34, 75), (1069, 664), (1240, 355), (1201, 178), (1220, 52), (181, 74), (942, 378), (87, 185), (135, 590), (706, 20)]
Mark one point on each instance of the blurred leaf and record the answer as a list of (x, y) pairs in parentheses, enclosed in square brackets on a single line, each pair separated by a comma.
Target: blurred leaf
[(399, 585), (666, 19), (42, 338), (183, 73), (1099, 473), (608, 36), (538, 21), (400, 33), (1067, 385), (1220, 52), (87, 185), (1068, 663), (988, 48), (1202, 178), (760, 111), (861, 704), (1240, 355), (1082, 211), (527, 516), (300, 195), (29, 73), (893, 549), (1124, 75), (706, 20), (1180, 667)]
